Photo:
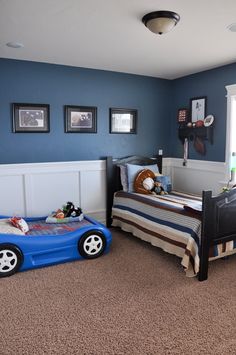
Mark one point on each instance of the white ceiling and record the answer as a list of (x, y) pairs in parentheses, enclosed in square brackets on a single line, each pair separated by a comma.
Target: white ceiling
[(109, 35)]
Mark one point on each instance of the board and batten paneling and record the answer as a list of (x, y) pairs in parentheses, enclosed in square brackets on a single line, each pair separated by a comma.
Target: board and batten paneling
[(39, 188), (197, 175)]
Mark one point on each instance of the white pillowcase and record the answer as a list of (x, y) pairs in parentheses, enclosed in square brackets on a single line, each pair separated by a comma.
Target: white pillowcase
[(7, 228)]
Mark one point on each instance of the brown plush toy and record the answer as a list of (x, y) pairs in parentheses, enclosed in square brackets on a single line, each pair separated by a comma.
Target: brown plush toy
[(159, 189)]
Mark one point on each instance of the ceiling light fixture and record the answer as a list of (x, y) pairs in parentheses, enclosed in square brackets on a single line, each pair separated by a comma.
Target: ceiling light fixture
[(160, 21), (232, 27), (14, 45)]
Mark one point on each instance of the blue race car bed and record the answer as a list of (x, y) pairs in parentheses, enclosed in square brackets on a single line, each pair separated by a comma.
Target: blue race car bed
[(47, 244)]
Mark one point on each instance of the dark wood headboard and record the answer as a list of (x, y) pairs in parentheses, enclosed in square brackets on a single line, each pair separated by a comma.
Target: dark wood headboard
[(113, 175)]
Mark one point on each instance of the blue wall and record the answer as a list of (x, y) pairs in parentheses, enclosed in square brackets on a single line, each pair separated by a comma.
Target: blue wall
[(56, 85), (212, 84), (157, 102)]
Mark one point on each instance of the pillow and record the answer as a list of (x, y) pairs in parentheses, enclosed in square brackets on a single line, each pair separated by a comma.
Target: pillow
[(7, 228), (53, 219), (20, 223), (133, 170), (165, 181), (124, 177)]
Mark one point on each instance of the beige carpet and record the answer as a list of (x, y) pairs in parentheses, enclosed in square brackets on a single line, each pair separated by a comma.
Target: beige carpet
[(134, 300)]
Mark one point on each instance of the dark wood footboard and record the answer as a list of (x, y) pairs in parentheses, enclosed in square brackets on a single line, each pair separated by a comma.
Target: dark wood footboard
[(218, 224)]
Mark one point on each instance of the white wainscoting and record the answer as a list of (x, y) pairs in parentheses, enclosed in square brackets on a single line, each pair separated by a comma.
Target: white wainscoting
[(198, 175), (39, 188)]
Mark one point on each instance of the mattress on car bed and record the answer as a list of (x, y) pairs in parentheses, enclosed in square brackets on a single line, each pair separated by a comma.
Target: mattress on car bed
[(171, 222), (42, 228)]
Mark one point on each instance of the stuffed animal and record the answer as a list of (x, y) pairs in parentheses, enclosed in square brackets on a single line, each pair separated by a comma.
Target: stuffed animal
[(153, 187), (59, 214), (70, 210), (145, 183), (159, 189)]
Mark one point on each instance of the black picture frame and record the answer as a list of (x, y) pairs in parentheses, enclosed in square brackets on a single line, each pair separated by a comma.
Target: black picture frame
[(123, 120), (198, 108), (30, 118), (80, 119)]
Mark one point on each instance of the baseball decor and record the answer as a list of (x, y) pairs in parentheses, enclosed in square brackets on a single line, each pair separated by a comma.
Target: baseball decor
[(199, 123), (182, 115), (148, 183), (208, 120)]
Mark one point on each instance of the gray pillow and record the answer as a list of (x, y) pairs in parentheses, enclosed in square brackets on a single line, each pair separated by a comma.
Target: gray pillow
[(124, 177)]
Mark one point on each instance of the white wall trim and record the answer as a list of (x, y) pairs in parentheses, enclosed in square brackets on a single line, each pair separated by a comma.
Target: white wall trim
[(38, 188), (202, 165), (231, 91), (196, 176), (86, 165)]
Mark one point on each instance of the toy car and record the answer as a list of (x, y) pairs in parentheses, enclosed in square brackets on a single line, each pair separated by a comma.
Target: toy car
[(47, 244)]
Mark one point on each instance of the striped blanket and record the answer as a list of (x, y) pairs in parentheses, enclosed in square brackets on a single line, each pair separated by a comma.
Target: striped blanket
[(171, 222)]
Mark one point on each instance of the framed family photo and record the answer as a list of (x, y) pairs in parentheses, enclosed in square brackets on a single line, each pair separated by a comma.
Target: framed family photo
[(80, 119), (198, 108), (123, 120), (30, 118)]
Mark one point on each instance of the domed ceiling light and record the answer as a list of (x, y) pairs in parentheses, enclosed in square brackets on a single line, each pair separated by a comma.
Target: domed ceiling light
[(161, 21), (14, 45)]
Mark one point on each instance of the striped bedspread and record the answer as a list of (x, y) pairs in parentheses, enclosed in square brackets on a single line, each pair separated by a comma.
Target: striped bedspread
[(171, 222)]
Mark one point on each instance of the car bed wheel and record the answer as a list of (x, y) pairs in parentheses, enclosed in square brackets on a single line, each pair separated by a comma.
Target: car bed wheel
[(92, 244), (10, 260)]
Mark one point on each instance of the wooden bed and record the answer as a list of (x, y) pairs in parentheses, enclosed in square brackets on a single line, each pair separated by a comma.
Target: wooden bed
[(218, 216)]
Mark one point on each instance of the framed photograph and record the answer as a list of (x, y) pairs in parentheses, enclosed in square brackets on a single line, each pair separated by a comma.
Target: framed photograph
[(123, 120), (198, 108), (30, 118), (182, 115), (80, 119)]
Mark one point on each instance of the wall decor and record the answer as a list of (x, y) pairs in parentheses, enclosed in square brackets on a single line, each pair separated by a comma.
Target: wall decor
[(123, 120), (30, 118), (80, 119), (208, 120), (182, 115), (198, 108)]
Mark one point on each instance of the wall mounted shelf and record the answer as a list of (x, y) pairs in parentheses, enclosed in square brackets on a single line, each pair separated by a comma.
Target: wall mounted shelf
[(204, 133)]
